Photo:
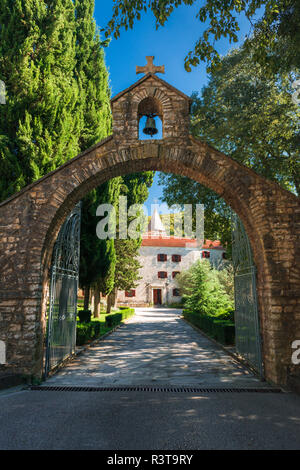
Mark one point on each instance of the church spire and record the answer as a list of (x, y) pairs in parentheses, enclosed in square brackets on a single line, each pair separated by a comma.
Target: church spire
[(156, 226)]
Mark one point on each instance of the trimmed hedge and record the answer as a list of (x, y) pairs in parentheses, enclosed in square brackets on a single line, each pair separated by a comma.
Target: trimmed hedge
[(85, 316), (219, 329), (114, 319), (87, 331)]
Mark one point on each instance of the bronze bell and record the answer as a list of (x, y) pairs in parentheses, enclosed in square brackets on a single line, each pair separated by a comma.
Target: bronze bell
[(150, 128)]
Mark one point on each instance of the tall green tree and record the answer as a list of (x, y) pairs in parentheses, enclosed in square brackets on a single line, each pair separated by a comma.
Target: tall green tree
[(57, 104), (58, 96), (91, 262), (250, 118), (275, 41), (40, 122), (135, 187), (202, 290), (92, 77), (98, 258), (109, 193)]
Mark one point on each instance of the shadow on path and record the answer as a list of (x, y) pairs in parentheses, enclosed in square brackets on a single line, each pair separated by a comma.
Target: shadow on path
[(155, 347)]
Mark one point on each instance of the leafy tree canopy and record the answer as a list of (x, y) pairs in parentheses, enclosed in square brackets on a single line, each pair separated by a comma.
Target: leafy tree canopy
[(250, 118), (276, 32)]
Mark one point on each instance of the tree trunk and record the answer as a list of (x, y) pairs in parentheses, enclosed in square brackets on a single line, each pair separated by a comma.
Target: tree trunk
[(86, 297), (114, 297), (97, 303), (92, 302), (108, 304), (111, 300)]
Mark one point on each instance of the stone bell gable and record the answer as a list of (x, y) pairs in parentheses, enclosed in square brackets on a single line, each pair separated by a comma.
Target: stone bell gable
[(150, 95)]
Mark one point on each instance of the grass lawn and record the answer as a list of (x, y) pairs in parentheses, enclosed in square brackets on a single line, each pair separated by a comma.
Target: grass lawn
[(102, 319)]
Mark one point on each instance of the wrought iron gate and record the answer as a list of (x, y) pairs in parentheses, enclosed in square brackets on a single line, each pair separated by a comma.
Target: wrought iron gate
[(64, 274), (247, 331)]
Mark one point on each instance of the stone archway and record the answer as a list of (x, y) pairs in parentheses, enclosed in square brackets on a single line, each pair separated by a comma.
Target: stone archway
[(31, 219)]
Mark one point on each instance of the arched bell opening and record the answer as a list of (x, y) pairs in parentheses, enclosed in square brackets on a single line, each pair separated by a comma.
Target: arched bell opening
[(150, 119), (146, 123)]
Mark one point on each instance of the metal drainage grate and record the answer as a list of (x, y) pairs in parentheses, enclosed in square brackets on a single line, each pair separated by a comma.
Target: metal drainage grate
[(154, 389)]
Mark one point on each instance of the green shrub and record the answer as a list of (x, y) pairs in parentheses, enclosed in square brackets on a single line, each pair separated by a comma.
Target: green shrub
[(87, 331), (202, 290), (219, 329), (97, 328), (85, 316), (225, 314), (82, 334), (127, 313), (115, 318)]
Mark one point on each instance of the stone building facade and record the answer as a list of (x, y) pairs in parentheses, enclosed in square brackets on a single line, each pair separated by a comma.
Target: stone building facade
[(161, 258)]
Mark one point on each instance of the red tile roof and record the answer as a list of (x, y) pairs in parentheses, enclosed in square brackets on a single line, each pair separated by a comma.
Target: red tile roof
[(179, 242)]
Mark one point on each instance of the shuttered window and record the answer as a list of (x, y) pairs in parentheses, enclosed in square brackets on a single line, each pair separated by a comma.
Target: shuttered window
[(130, 293), (162, 274)]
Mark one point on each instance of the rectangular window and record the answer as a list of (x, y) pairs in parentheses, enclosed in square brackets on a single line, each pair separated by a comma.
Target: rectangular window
[(162, 274), (176, 293), (174, 274), (130, 293), (176, 258), (161, 257), (205, 254)]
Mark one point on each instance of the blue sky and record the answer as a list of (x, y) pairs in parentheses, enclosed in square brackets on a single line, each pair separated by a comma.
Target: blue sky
[(169, 45)]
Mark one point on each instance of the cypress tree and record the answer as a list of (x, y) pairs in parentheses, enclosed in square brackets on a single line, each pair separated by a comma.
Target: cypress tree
[(40, 123), (97, 260), (107, 193), (135, 187), (92, 77), (57, 103)]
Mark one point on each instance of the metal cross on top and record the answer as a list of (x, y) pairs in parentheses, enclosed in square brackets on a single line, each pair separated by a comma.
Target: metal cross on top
[(150, 67)]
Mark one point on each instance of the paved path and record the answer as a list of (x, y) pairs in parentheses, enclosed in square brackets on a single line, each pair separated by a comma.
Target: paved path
[(155, 347)]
